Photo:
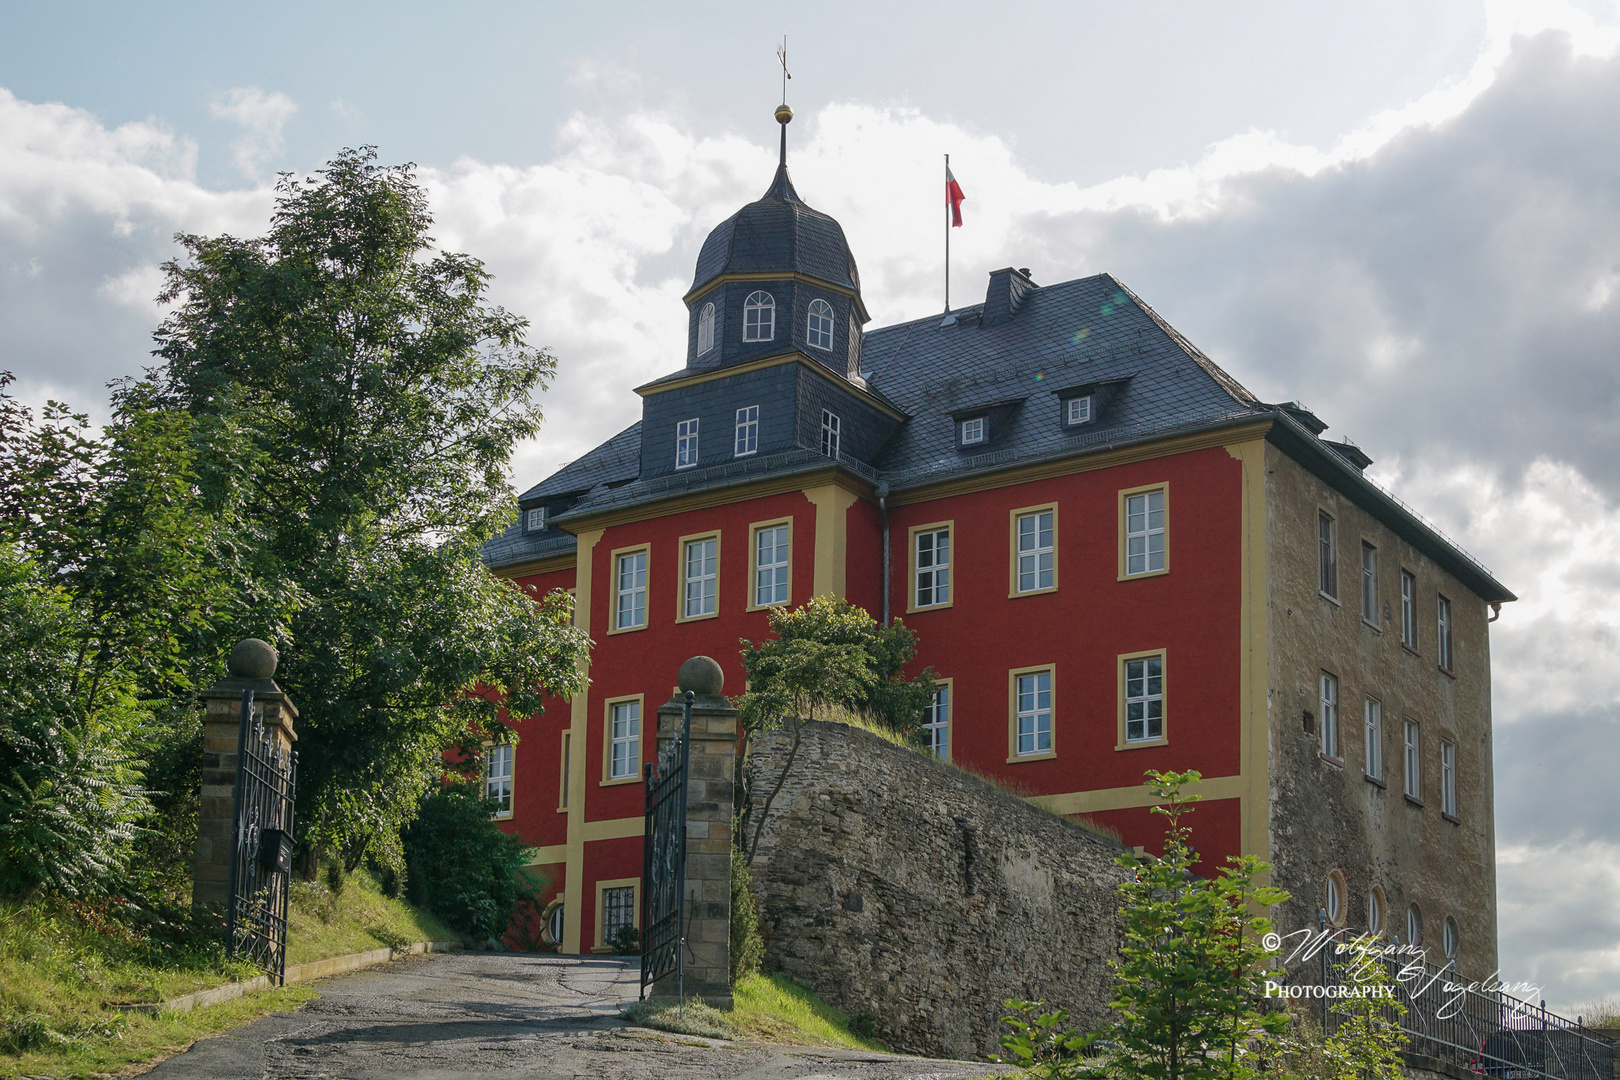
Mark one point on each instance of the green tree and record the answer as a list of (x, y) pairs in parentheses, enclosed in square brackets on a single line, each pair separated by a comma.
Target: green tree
[(828, 658), (373, 396), (462, 867)]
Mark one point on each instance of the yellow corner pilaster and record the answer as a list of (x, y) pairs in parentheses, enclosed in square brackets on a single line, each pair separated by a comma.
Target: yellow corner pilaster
[(832, 503), (1254, 662), (579, 724)]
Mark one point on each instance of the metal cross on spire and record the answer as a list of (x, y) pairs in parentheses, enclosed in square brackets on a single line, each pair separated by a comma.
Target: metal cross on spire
[(781, 55)]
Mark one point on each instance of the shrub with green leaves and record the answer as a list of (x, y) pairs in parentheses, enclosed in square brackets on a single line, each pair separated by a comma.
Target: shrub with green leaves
[(461, 866)]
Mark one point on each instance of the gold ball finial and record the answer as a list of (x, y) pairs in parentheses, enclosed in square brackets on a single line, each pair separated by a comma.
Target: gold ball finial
[(783, 114)]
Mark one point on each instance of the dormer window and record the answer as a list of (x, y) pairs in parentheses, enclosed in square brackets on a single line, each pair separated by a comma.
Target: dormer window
[(686, 443), (972, 431), (759, 317), (1077, 410), (830, 433), (534, 520), (705, 340), (820, 332)]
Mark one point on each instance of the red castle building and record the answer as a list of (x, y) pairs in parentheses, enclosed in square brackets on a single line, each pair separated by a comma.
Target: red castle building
[(1114, 557)]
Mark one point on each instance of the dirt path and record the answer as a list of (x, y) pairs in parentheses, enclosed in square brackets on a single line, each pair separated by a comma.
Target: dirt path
[(506, 1015)]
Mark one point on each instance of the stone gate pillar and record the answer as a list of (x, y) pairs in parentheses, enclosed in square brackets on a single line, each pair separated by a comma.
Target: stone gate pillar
[(251, 667), (708, 830)]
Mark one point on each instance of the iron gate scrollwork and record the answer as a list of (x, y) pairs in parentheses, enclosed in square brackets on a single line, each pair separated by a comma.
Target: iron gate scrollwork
[(663, 866), (261, 860)]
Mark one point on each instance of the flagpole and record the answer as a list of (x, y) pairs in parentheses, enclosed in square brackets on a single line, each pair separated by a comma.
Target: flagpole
[(947, 234)]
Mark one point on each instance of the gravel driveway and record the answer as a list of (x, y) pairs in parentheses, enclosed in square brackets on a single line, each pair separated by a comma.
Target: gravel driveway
[(507, 1015)]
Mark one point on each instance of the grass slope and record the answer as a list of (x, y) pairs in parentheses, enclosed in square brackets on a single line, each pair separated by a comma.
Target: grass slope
[(766, 1008), (65, 970)]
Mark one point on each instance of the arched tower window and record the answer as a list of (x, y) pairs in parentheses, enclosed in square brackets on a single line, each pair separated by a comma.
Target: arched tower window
[(759, 317), (820, 332), (705, 329)]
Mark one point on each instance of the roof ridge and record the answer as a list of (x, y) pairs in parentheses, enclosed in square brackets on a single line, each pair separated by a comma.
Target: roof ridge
[(1238, 392)]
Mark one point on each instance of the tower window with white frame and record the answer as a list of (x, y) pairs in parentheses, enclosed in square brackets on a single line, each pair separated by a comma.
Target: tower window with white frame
[(1144, 699), (705, 333), (937, 722), (1375, 738), (819, 328), (759, 317), (624, 747), (534, 519), (972, 430), (1077, 410), (747, 431), (1144, 532), (1414, 760), (831, 431), (686, 443), (702, 559), (1034, 713), (1329, 709), (498, 778), (933, 554)]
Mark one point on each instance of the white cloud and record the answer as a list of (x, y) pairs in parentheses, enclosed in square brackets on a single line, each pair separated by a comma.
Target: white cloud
[(263, 116)]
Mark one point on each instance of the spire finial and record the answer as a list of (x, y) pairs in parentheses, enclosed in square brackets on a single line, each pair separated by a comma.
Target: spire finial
[(784, 115)]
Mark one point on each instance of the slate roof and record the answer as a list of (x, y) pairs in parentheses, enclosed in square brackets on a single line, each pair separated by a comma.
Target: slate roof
[(778, 234)]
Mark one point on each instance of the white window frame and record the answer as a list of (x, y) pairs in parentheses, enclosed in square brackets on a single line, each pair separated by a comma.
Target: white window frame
[(1144, 696), (1077, 410), (624, 739), (1327, 555), (499, 759), (705, 333), (820, 325), (1036, 554), (747, 438), (972, 430), (1414, 925), (1369, 584), (1373, 743), (831, 433), (1450, 938), (1412, 747), (1448, 777), (772, 582), (1145, 542), (1328, 723), (937, 721), (630, 600), (1409, 634), (1375, 911), (759, 316), (1442, 618), (1334, 906), (700, 591), (1032, 713), (931, 583), (686, 443), (535, 519)]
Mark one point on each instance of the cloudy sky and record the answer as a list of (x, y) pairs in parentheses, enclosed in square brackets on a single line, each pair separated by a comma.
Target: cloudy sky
[(1405, 213)]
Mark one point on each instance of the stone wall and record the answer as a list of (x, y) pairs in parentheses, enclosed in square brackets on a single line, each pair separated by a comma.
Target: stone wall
[(901, 888)]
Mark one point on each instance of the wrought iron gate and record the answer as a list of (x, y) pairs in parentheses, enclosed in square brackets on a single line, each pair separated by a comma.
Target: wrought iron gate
[(663, 865), (261, 862)]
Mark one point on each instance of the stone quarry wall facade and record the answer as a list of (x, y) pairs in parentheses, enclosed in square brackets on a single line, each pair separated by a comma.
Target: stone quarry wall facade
[(904, 889)]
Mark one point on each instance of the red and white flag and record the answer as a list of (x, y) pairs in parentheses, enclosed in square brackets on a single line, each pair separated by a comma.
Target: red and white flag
[(953, 196)]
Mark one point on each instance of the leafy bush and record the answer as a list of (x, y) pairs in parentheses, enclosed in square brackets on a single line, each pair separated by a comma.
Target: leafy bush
[(461, 866), (626, 941)]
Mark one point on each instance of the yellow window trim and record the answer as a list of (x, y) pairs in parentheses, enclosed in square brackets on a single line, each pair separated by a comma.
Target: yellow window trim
[(753, 562), (1164, 674), (680, 576), (911, 566), (1012, 552), (1013, 757), (1164, 486), (562, 774), (607, 739), (613, 588), (602, 887)]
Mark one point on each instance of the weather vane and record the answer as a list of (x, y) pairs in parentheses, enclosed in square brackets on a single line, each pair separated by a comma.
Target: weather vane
[(781, 55)]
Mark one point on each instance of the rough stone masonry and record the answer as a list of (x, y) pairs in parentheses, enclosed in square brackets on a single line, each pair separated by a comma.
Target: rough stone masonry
[(904, 889)]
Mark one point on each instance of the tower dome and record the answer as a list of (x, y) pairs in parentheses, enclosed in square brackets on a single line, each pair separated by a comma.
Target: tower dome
[(778, 234)]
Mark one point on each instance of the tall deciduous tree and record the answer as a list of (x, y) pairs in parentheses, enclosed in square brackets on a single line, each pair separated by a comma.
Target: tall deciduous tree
[(377, 394)]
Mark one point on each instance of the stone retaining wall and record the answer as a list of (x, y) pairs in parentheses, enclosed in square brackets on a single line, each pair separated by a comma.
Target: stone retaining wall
[(909, 891)]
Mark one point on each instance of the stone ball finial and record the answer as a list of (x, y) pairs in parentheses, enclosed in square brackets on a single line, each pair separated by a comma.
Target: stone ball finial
[(702, 676), (253, 659)]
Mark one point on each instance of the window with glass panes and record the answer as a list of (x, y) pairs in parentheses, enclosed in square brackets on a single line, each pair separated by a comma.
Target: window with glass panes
[(631, 582), (1414, 760), (771, 565), (1144, 699), (618, 910), (973, 431), (702, 574), (1327, 556), (498, 778), (1079, 409), (1409, 610), (686, 444), (1033, 700), (1375, 739), (1448, 777), (747, 431), (1330, 714), (1443, 621), (705, 340), (1037, 551), (933, 567), (830, 433), (759, 317), (624, 745), (1369, 583), (1144, 532), (937, 721), (819, 328)]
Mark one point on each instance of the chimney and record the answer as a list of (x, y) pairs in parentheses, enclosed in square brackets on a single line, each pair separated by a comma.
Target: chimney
[(1007, 289)]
